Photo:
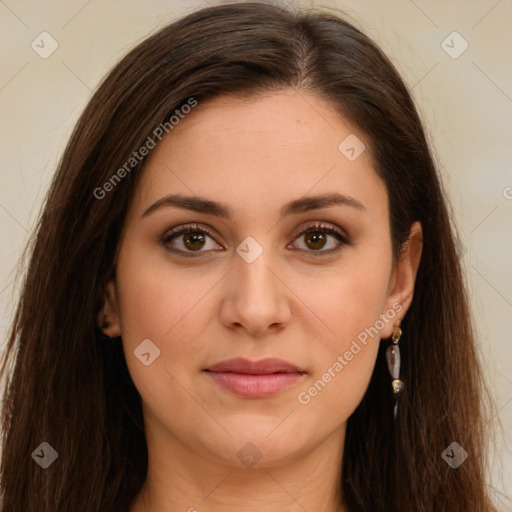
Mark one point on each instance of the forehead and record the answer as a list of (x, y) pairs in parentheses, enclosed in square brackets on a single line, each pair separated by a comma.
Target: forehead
[(259, 149), (296, 117)]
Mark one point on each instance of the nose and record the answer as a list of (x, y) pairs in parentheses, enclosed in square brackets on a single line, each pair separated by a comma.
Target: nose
[(257, 298)]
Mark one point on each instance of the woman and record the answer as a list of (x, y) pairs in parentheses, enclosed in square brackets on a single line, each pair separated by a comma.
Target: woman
[(244, 291)]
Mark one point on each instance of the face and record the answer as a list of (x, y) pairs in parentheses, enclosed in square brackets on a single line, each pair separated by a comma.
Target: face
[(280, 274)]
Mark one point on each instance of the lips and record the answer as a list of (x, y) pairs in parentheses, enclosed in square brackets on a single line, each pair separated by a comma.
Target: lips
[(255, 379), (264, 367)]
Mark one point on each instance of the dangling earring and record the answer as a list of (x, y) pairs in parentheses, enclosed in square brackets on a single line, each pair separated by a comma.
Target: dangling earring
[(393, 360)]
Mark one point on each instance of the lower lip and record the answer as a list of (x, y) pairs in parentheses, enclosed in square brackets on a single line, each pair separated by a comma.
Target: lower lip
[(255, 386)]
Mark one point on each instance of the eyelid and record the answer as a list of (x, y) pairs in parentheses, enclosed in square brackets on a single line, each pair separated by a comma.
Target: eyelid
[(321, 226), (329, 228), (183, 228), (186, 228)]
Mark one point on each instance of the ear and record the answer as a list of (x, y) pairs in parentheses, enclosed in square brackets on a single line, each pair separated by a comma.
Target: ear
[(403, 277), (109, 313)]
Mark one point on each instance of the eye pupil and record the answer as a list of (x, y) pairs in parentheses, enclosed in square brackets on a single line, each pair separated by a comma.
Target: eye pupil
[(317, 238), (193, 238), (190, 239)]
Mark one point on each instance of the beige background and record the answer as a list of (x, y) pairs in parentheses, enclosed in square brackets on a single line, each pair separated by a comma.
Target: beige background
[(466, 103)]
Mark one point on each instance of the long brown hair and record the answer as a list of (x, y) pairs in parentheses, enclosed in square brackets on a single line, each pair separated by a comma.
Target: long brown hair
[(68, 386)]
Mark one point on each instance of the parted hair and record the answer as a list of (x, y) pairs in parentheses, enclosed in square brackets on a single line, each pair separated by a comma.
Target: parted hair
[(68, 387)]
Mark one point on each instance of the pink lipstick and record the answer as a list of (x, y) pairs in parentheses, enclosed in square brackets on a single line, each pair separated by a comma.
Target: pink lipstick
[(255, 379)]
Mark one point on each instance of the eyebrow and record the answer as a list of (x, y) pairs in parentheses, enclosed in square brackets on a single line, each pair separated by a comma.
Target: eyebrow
[(202, 205)]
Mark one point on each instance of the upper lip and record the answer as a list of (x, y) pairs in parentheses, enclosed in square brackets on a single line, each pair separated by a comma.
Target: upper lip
[(263, 367)]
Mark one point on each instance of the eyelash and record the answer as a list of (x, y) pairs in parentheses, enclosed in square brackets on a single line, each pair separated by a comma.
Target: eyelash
[(199, 228)]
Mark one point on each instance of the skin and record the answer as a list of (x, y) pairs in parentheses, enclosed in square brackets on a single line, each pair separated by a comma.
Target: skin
[(254, 155)]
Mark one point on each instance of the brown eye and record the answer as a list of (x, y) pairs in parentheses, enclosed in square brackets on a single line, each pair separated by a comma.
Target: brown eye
[(316, 239), (193, 241), (189, 239)]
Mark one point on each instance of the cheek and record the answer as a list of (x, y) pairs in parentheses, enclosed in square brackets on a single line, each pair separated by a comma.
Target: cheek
[(333, 394), (350, 300), (346, 358), (153, 295), (350, 308), (157, 304), (163, 308)]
